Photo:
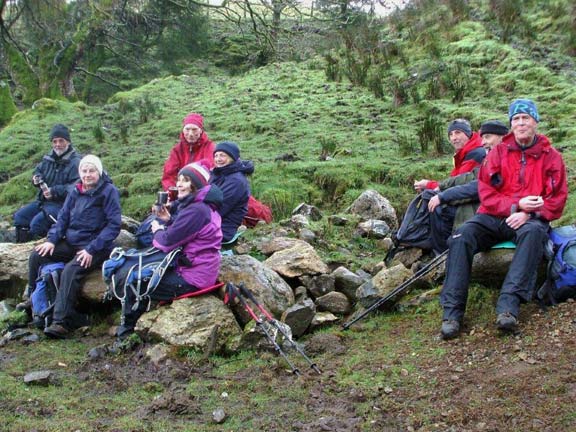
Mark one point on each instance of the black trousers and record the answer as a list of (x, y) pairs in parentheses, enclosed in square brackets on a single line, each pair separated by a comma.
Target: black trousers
[(172, 285), (441, 223), (70, 280), (479, 234)]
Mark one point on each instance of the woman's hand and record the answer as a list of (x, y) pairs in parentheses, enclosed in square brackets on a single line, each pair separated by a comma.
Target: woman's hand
[(84, 258), (163, 214), (45, 248)]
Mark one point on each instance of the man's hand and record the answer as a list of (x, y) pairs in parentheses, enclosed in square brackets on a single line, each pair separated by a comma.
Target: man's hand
[(163, 214), (531, 203), (47, 193), (84, 258), (45, 248), (420, 185), (155, 226), (516, 220), (433, 203)]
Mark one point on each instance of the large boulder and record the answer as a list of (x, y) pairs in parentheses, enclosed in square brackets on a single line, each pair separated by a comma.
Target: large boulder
[(382, 284), (371, 205), (297, 260), (347, 282), (203, 323), (266, 285)]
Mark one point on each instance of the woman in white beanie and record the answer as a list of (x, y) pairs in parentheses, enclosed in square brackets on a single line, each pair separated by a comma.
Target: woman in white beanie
[(83, 237)]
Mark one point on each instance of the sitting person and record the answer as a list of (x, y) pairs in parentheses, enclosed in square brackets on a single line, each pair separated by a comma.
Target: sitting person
[(82, 237), (194, 225), (229, 174), (522, 187), (55, 177), (457, 199), (193, 146), (469, 152)]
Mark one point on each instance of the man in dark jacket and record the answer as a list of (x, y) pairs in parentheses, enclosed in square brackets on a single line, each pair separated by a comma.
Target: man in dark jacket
[(522, 187), (457, 199), (55, 177)]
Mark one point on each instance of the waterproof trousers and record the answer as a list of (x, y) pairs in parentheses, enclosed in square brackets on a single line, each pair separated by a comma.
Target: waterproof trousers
[(36, 217), (441, 223), (479, 234), (70, 280)]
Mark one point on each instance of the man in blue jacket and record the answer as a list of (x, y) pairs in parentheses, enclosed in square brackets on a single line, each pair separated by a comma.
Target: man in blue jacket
[(54, 177)]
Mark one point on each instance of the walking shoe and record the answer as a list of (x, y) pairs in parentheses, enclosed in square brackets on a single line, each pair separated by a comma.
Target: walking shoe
[(56, 331), (450, 329), (506, 322), (26, 305)]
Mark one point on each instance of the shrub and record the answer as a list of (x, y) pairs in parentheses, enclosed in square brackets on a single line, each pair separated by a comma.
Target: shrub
[(431, 132)]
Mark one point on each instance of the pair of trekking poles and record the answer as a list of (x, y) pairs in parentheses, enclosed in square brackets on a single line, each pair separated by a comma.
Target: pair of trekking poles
[(436, 262), (266, 323)]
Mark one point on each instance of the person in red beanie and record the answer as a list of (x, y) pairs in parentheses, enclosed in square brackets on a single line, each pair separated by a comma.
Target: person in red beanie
[(193, 146)]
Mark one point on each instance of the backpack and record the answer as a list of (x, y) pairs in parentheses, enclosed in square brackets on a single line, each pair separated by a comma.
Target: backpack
[(414, 230), (138, 270), (257, 211), (44, 294), (144, 235), (560, 284)]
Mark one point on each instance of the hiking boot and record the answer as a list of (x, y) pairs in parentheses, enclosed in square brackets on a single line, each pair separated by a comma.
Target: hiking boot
[(56, 331), (26, 305), (506, 322), (450, 329)]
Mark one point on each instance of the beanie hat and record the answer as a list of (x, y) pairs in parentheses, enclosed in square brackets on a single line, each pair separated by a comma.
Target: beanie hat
[(195, 119), (461, 125), (525, 106), (493, 127), (230, 148), (197, 173), (60, 131), (92, 160)]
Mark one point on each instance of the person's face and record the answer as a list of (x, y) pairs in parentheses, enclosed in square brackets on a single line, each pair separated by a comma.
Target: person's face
[(458, 139), (191, 133), (184, 186), (524, 128), (60, 145), (89, 176), (489, 141), (222, 159)]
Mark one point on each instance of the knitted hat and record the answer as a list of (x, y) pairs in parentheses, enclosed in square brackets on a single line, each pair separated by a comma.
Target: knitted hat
[(92, 160), (197, 173), (493, 127), (60, 131), (230, 148), (195, 119), (525, 106), (461, 125)]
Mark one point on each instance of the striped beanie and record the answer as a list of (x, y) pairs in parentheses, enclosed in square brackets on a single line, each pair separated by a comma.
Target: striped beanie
[(197, 173)]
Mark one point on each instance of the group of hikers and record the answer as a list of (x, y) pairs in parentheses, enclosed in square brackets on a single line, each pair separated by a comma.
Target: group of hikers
[(78, 211), (506, 185)]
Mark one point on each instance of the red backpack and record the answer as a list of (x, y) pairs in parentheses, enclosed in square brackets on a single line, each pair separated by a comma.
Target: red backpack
[(257, 212)]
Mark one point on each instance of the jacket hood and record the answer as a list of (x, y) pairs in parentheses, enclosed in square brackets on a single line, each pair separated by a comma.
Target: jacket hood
[(210, 194), (242, 166)]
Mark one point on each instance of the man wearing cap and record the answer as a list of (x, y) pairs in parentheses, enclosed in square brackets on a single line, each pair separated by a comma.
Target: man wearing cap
[(522, 187), (193, 146), (458, 198), (54, 177), (468, 152)]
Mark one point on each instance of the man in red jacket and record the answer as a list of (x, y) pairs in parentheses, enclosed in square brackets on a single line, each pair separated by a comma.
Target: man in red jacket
[(469, 152), (522, 187), (193, 146)]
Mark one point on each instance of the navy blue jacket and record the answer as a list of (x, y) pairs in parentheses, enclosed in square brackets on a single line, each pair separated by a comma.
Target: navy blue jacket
[(231, 179), (91, 219), (60, 174)]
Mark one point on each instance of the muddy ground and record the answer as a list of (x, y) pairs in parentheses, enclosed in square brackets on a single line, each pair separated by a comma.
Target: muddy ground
[(389, 373)]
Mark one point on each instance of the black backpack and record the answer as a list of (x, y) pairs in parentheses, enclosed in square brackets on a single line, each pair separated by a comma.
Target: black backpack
[(414, 230)]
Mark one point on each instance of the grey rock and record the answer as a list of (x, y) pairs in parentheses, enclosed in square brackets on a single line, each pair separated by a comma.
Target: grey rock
[(298, 260), (373, 228), (39, 378), (30, 339), (299, 221), (18, 333), (300, 294), (337, 220), (323, 319), (299, 316), (335, 302), (319, 285), (98, 352), (311, 212), (347, 282), (371, 205), (219, 416), (158, 354), (381, 284), (307, 235)]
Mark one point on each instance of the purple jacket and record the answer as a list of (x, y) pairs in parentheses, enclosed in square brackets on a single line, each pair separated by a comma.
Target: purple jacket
[(196, 227)]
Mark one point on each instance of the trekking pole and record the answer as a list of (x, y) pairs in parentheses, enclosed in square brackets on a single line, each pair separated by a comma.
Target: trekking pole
[(245, 291), (233, 291), (437, 261)]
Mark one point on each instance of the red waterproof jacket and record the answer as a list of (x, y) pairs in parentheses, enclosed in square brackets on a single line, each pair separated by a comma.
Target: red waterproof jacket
[(466, 159), (510, 173), (184, 153)]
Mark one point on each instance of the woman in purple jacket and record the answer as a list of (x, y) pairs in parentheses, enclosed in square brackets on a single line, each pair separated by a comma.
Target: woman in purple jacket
[(192, 224)]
